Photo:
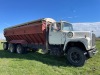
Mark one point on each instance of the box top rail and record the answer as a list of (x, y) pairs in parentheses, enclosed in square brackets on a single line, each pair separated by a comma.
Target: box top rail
[(23, 24)]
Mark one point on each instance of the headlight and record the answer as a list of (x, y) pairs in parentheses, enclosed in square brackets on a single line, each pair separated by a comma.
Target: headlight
[(70, 34)]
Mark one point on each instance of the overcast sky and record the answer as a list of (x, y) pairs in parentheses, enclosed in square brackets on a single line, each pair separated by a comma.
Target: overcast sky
[(14, 12), (86, 26)]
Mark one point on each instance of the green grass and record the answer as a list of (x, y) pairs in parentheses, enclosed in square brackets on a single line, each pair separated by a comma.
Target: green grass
[(40, 64)]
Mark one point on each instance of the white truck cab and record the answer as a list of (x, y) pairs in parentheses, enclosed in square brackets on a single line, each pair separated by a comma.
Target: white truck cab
[(76, 45)]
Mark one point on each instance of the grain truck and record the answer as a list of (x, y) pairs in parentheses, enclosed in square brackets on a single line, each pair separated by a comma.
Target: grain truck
[(54, 38)]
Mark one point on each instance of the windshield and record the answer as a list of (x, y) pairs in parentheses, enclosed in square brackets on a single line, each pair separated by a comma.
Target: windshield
[(67, 26)]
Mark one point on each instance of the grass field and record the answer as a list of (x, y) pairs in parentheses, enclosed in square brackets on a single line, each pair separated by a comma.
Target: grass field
[(39, 64)]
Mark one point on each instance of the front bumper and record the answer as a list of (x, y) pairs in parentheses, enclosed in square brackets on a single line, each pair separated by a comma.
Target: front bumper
[(92, 52)]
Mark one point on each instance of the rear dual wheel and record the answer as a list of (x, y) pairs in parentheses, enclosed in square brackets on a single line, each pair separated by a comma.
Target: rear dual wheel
[(5, 46), (16, 48), (20, 49), (12, 48)]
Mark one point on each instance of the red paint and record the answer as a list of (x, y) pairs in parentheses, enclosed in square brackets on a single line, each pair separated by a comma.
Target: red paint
[(19, 41), (33, 32)]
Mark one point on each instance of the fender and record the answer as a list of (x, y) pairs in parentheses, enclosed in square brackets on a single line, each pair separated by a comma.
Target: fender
[(82, 40), (18, 41)]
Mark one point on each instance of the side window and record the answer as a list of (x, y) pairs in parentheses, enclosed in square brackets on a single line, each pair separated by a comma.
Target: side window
[(56, 28), (53, 28)]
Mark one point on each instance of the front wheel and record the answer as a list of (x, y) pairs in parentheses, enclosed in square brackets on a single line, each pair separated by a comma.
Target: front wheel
[(76, 56)]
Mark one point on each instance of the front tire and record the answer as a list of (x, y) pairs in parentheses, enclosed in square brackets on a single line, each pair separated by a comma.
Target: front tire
[(75, 56)]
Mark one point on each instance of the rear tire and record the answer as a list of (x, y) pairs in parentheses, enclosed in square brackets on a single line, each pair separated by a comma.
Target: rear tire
[(75, 56), (20, 49), (12, 48), (5, 46)]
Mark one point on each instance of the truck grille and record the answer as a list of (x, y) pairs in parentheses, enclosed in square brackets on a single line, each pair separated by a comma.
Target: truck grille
[(93, 39)]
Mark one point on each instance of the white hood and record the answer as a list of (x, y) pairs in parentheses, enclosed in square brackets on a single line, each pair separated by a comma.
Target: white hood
[(80, 34)]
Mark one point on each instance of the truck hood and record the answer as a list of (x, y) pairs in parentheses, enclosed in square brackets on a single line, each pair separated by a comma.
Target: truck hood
[(80, 34)]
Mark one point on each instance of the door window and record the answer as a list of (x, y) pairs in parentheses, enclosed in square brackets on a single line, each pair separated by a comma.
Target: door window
[(56, 27)]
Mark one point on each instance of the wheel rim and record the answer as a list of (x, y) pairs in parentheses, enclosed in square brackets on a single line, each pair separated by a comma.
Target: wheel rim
[(75, 57), (18, 50)]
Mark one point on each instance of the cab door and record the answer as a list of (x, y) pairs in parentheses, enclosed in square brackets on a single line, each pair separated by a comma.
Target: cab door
[(55, 36)]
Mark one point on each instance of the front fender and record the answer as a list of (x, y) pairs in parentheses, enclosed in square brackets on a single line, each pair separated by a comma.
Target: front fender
[(82, 40)]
